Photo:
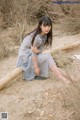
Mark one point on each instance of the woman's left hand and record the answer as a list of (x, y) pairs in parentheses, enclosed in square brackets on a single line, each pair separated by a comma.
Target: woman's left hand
[(46, 51), (34, 49)]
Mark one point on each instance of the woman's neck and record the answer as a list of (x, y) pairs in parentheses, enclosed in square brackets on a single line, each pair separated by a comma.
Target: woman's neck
[(42, 34)]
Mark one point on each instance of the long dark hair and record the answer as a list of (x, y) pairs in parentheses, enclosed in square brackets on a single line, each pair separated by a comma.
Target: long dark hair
[(46, 21)]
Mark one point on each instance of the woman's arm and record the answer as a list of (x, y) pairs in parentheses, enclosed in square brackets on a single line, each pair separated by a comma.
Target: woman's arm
[(35, 52), (35, 61), (36, 67)]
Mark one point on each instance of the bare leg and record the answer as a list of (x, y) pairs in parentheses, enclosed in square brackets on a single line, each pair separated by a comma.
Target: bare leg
[(65, 74), (60, 74)]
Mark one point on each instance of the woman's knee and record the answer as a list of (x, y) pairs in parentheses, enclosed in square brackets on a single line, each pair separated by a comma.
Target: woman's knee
[(43, 57), (47, 55)]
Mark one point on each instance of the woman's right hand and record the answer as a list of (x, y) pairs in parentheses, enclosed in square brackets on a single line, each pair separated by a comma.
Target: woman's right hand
[(37, 71)]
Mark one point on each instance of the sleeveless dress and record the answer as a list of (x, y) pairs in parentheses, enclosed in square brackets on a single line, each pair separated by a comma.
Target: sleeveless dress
[(45, 60)]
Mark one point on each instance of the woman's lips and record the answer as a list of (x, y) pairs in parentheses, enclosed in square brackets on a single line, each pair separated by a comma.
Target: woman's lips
[(46, 31)]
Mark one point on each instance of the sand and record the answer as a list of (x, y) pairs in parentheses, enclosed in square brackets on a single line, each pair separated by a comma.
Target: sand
[(49, 99)]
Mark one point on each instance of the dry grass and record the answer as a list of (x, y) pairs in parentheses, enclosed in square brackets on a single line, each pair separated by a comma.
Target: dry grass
[(13, 12)]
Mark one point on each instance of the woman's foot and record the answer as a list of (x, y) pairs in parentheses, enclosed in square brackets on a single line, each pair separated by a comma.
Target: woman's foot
[(67, 76), (65, 80)]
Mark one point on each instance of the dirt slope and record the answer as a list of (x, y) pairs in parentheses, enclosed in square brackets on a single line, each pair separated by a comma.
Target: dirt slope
[(48, 99)]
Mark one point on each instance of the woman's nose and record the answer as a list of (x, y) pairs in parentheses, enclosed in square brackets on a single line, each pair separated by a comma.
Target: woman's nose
[(47, 28)]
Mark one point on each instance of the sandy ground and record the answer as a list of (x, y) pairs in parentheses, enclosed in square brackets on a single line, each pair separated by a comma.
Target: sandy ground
[(48, 99)]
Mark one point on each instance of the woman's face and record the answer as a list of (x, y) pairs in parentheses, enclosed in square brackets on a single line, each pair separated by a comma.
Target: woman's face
[(45, 29)]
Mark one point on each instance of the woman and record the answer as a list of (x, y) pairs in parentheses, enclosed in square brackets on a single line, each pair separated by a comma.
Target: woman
[(33, 58)]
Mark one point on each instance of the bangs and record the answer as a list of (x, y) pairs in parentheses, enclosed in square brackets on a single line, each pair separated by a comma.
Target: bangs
[(47, 23)]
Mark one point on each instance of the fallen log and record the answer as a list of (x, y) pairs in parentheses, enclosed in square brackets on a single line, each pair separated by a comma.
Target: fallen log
[(67, 47), (5, 80), (18, 70)]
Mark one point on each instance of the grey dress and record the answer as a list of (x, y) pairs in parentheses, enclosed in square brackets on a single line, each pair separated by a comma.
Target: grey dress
[(45, 60)]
